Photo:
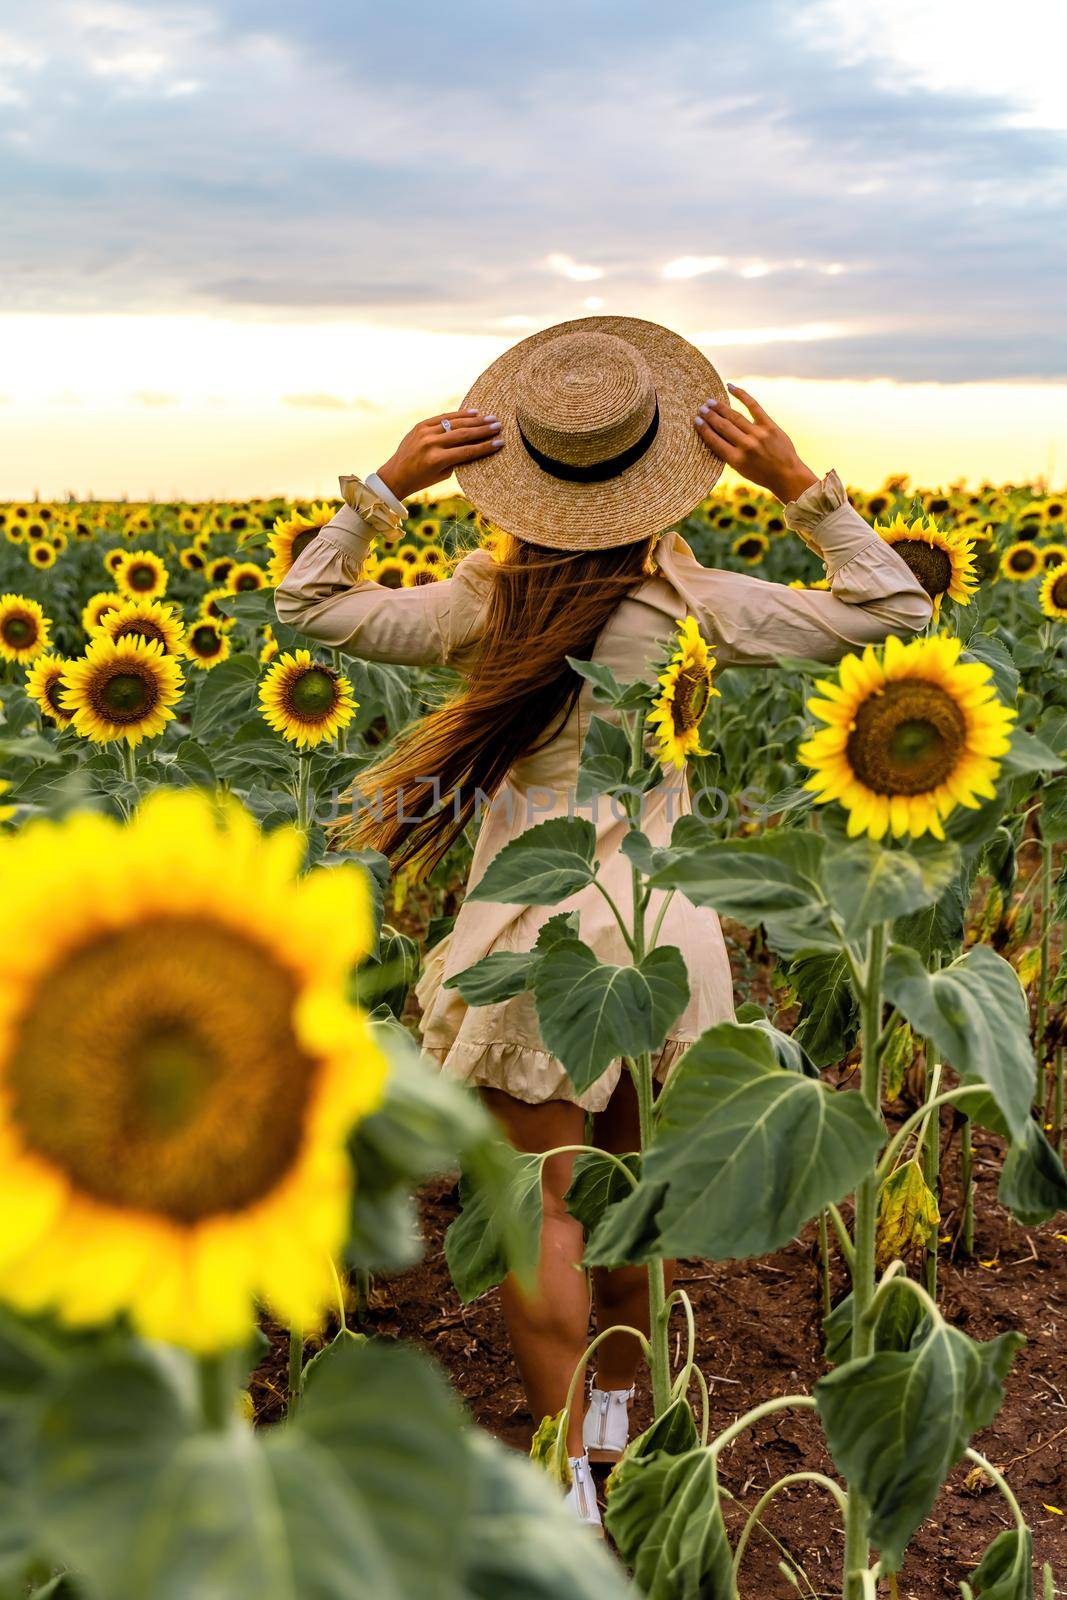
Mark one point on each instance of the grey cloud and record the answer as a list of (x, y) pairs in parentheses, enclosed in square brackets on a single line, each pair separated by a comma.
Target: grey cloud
[(423, 177)]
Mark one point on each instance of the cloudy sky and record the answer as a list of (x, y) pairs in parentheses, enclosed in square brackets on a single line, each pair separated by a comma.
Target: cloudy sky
[(247, 242)]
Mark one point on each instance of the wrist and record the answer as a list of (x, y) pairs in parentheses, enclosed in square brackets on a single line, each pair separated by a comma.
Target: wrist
[(393, 478), (791, 483)]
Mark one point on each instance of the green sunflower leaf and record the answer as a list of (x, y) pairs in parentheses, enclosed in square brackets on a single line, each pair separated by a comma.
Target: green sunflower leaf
[(591, 1013), (866, 882), (542, 866), (976, 1013), (744, 1153), (898, 1421)]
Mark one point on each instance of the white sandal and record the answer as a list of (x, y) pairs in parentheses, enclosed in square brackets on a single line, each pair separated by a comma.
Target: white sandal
[(581, 1498), (606, 1429)]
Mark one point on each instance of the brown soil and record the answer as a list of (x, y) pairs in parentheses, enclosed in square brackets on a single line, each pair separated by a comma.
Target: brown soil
[(758, 1326)]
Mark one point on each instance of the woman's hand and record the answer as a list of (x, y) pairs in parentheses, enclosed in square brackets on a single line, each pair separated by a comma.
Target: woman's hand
[(430, 453), (755, 446)]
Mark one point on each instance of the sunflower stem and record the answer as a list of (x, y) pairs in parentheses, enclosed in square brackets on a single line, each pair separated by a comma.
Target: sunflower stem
[(129, 762), (857, 1543), (303, 793), (296, 1366), (967, 1185), (1041, 1019)]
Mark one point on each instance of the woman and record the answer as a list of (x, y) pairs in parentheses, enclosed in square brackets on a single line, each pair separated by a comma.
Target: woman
[(583, 442)]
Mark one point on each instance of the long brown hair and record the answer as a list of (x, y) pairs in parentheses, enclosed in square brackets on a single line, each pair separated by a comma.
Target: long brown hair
[(544, 605)]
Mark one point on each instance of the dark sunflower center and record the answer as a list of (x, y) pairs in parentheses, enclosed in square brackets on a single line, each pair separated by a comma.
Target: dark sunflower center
[(301, 542), (126, 695), (691, 693), (206, 640), (930, 565), (157, 1067), (1023, 560), (749, 548), (313, 694), (1059, 592), (391, 577), (139, 575), (907, 739), (248, 580), (1053, 558), (19, 630), (51, 695)]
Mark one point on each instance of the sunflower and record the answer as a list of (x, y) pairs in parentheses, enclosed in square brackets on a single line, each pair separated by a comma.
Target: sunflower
[(189, 520), (59, 540), (429, 529), (23, 629), (1053, 555), (219, 569), (97, 607), (407, 553), (1055, 509), (433, 556), (420, 573), (910, 735), (1053, 594), (816, 583), (1020, 561), (305, 701), (751, 547), (245, 576), (181, 1070), (116, 559), (121, 689), (137, 522), (686, 688), (142, 576), (191, 559), (941, 558), (43, 682), (291, 536), (41, 554), (146, 619), (390, 572), (209, 607), (206, 644)]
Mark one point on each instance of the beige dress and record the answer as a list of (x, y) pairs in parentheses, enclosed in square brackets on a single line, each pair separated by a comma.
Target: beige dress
[(748, 621)]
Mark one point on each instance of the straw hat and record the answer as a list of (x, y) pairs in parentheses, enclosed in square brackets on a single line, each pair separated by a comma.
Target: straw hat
[(597, 415)]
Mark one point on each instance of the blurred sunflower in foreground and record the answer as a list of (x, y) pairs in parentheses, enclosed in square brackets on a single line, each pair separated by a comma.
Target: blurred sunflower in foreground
[(911, 733), (180, 1069)]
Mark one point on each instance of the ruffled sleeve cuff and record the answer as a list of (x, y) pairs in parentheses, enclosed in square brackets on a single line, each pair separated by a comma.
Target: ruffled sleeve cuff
[(829, 524), (819, 499), (369, 508)]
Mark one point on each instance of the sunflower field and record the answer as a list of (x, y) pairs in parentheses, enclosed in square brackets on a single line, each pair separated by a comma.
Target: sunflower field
[(243, 1299)]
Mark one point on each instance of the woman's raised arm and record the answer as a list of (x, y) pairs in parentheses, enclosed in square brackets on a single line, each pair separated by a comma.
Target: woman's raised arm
[(323, 594), (872, 592)]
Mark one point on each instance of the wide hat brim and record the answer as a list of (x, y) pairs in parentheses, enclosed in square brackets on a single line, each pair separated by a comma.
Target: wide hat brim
[(673, 476)]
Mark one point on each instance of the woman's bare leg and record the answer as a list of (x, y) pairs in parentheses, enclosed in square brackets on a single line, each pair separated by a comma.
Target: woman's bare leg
[(621, 1295), (549, 1331)]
